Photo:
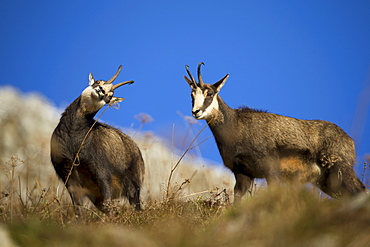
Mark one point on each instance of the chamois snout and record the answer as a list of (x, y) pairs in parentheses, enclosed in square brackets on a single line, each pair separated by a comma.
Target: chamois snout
[(196, 113), (103, 92)]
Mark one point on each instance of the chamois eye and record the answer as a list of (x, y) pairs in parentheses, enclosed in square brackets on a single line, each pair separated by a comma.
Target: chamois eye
[(209, 94), (99, 89)]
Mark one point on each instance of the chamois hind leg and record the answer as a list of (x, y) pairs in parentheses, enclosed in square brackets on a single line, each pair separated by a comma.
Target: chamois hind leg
[(76, 191), (132, 193), (77, 195), (340, 180)]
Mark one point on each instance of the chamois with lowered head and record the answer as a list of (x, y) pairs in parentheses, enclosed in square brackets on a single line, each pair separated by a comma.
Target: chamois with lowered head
[(93, 159), (257, 144)]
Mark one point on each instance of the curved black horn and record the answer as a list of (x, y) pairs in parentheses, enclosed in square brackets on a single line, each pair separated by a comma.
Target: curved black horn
[(200, 79), (115, 76), (121, 84), (191, 76)]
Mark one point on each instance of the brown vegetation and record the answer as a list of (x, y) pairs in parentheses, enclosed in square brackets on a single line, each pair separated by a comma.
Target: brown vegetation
[(35, 208)]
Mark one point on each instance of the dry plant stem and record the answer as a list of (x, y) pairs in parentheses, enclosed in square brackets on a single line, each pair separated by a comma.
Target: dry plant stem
[(363, 175), (143, 118), (200, 143), (23, 204), (173, 143), (137, 130), (363, 172), (196, 193), (76, 156), (187, 181), (11, 192), (182, 156), (80, 148)]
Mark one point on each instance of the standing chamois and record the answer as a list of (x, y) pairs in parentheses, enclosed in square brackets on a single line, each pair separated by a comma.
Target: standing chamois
[(257, 144), (94, 159)]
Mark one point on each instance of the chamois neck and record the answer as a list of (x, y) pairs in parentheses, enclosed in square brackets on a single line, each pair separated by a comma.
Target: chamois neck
[(223, 116), (223, 126), (74, 116)]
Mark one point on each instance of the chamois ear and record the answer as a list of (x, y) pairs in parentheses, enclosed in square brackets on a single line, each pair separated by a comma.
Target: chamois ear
[(91, 79), (218, 85), (191, 83)]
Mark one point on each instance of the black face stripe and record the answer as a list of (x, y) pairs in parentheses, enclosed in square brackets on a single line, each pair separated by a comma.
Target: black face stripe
[(207, 99), (192, 99), (207, 102)]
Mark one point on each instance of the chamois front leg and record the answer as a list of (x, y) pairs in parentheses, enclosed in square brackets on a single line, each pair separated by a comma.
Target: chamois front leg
[(242, 184), (134, 197), (72, 181), (76, 192), (243, 177)]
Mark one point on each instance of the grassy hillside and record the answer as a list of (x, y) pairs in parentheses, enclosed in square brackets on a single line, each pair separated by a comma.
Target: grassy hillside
[(192, 209), (274, 217)]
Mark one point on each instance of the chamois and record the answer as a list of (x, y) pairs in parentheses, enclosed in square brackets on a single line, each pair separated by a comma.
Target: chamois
[(257, 144), (93, 159)]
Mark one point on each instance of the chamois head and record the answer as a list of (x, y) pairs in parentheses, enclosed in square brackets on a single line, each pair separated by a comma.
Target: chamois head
[(204, 96), (99, 93)]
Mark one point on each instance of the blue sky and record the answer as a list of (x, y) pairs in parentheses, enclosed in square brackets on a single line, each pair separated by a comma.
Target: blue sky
[(304, 59)]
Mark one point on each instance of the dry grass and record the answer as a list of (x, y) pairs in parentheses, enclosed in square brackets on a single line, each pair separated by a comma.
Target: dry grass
[(287, 216), (41, 216)]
